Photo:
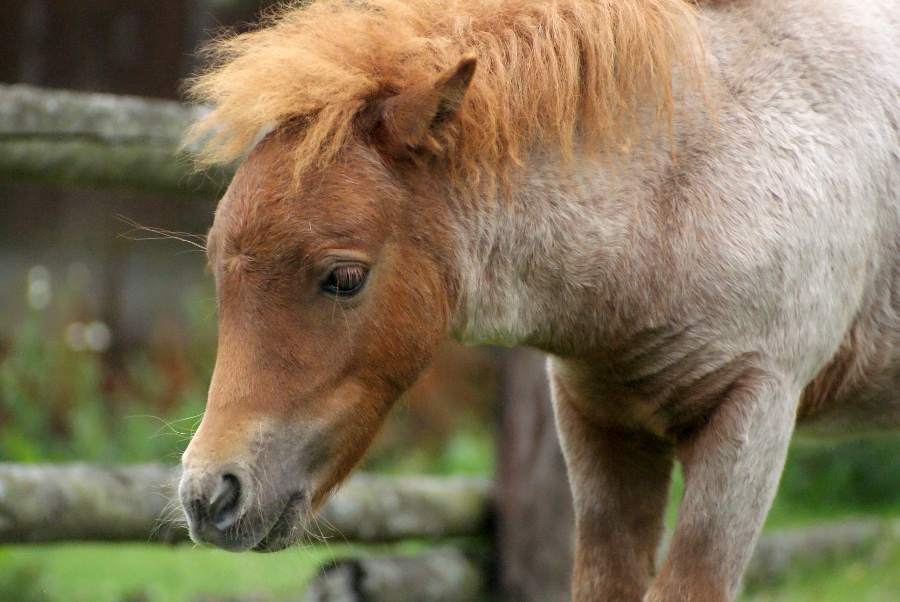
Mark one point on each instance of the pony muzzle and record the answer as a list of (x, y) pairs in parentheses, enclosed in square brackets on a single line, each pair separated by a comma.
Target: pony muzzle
[(215, 502)]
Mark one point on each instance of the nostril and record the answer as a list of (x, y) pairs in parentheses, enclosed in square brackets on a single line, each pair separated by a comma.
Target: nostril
[(224, 505), (197, 510)]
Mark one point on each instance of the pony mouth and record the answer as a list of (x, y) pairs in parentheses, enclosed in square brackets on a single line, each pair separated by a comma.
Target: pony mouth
[(289, 528)]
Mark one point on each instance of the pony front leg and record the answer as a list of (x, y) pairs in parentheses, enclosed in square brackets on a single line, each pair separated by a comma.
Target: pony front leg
[(732, 465), (620, 483)]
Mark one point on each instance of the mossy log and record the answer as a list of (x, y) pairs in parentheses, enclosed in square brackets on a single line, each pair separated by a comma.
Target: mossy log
[(371, 508), (85, 502), (442, 575), (101, 140), (780, 552)]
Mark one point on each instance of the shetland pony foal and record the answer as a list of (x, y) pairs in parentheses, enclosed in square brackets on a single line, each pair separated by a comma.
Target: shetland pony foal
[(697, 216)]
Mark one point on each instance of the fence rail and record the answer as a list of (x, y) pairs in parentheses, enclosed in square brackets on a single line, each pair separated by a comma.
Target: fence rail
[(42, 503), (100, 140)]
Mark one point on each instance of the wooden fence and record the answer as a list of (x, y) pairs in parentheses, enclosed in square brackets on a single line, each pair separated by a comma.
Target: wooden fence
[(520, 524), (85, 502)]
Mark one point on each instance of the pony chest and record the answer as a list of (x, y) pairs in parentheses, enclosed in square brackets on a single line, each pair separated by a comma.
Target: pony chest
[(664, 380)]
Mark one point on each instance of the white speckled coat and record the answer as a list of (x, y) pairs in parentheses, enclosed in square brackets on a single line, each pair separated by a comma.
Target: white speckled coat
[(697, 307)]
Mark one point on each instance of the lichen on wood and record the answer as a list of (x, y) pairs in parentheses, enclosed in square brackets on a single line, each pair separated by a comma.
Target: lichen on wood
[(101, 140)]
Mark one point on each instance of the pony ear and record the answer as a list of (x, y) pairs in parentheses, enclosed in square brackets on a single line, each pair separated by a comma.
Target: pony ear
[(419, 118)]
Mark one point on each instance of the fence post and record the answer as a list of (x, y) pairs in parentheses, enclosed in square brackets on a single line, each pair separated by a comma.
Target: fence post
[(534, 538)]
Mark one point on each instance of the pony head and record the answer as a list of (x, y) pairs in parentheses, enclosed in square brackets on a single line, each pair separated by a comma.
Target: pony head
[(333, 294)]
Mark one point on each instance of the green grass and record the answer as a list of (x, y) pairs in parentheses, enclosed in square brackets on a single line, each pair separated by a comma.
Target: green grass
[(112, 572), (156, 573)]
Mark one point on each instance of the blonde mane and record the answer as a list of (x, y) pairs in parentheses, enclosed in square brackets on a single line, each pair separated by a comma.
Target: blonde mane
[(549, 71)]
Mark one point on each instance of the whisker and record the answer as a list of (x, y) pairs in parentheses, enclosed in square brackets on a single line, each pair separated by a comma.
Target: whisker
[(195, 240), (323, 539), (183, 434)]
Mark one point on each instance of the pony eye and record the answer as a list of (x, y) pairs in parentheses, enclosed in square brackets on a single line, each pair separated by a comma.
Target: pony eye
[(345, 280)]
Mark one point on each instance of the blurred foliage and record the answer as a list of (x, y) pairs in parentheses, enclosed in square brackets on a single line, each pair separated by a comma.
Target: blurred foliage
[(445, 423), (857, 475), (59, 402), (468, 451)]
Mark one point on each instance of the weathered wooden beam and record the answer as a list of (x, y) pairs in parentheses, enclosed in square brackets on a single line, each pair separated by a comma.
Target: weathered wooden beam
[(370, 508), (442, 575), (101, 140), (85, 502), (535, 528), (779, 552)]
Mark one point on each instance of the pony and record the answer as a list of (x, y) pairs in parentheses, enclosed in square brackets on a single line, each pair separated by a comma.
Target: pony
[(692, 208)]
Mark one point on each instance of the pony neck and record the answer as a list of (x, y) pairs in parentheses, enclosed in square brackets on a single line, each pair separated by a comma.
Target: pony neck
[(556, 266)]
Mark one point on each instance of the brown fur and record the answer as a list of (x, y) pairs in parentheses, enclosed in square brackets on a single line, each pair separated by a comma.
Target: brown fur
[(561, 72), (259, 247)]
